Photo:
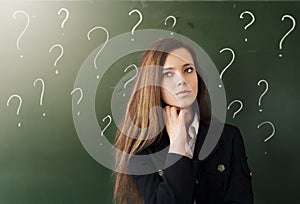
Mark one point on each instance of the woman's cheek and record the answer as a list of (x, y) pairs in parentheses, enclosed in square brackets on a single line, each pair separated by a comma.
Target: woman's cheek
[(168, 97)]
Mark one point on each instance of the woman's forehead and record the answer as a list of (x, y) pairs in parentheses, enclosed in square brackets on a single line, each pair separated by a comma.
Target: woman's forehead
[(181, 54)]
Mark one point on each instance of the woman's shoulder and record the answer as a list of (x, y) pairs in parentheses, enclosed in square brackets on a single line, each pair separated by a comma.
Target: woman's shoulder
[(232, 138), (217, 126), (227, 132), (231, 129)]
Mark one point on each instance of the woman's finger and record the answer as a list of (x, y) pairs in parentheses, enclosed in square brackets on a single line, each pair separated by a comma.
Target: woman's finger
[(173, 112), (182, 113), (168, 114)]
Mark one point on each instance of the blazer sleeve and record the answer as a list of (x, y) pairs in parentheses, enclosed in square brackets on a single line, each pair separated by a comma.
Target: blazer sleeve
[(240, 181), (174, 185)]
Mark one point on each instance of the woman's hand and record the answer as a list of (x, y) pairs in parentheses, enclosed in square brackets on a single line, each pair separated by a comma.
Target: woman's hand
[(175, 125)]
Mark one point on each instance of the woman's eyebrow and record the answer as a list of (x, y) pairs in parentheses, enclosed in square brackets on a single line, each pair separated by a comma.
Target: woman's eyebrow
[(167, 68), (188, 64), (171, 68)]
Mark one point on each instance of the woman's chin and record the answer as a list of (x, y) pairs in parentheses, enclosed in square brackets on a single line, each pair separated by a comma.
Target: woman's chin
[(183, 105)]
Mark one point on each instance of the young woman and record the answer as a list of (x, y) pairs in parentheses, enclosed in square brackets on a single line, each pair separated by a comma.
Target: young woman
[(169, 78)]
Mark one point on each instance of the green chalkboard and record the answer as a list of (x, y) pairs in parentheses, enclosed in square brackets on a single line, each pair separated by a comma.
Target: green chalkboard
[(42, 158)]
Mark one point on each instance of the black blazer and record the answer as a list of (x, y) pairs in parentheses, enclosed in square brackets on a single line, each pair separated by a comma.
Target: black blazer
[(222, 178)]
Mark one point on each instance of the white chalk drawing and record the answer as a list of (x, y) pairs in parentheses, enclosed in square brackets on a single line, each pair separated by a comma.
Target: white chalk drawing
[(66, 17), (25, 28), (89, 38), (128, 81), (231, 61), (20, 104), (81, 95), (174, 21), (288, 32), (273, 129), (241, 106), (60, 55), (138, 23), (250, 23), (109, 117), (42, 92), (265, 91)]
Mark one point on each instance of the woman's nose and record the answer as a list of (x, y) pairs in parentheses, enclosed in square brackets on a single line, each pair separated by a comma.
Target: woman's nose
[(180, 80)]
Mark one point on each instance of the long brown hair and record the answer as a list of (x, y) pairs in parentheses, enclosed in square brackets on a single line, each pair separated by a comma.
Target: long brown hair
[(138, 114)]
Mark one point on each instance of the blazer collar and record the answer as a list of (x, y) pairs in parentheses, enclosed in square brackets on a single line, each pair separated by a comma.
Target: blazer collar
[(158, 151)]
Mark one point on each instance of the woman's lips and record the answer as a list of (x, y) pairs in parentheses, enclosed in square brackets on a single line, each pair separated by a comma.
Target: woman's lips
[(183, 93)]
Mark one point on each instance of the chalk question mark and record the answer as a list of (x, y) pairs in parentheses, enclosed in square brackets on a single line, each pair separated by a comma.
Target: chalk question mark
[(66, 17), (42, 92), (250, 23), (136, 73), (25, 28), (241, 106), (138, 23), (102, 132), (231, 61), (81, 95), (273, 132), (89, 38), (289, 31), (174, 22), (267, 87), (61, 54), (20, 104)]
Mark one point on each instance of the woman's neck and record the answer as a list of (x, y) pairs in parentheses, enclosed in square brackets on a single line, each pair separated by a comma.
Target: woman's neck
[(189, 116)]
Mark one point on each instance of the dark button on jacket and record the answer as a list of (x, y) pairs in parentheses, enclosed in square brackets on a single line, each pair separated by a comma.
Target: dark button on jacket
[(221, 178)]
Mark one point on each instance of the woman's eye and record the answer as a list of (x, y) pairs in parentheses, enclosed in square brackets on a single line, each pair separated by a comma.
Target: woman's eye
[(189, 69), (167, 74)]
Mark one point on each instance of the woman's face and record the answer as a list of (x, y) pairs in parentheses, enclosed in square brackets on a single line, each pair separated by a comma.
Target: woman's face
[(179, 86)]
